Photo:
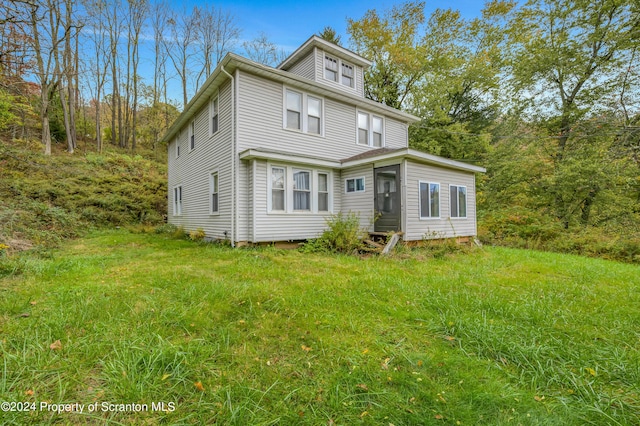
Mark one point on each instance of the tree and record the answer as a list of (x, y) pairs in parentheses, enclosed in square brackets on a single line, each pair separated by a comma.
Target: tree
[(261, 50), (181, 48), (330, 35), (566, 61)]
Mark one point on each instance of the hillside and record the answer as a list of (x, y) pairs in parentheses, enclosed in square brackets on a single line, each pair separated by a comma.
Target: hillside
[(47, 199)]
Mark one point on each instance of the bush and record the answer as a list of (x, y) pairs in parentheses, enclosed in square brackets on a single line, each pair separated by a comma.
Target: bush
[(197, 235), (344, 235)]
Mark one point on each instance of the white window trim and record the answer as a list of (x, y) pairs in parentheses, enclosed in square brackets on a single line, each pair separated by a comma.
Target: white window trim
[(192, 134), (288, 190), (355, 187), (318, 192), (304, 113), (177, 205), (370, 117), (429, 183), (215, 99), (178, 146), (211, 174), (466, 202), (339, 71)]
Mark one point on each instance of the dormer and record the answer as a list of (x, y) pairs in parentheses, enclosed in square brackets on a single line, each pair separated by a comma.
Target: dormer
[(328, 63)]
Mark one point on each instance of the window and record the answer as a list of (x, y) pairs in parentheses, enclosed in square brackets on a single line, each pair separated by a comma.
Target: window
[(294, 110), (429, 200), (354, 185), (213, 188), (344, 76), (213, 116), (347, 75), (458, 200), (330, 68), (177, 146), (192, 135), (323, 192), (303, 112), (377, 131), (301, 190), (363, 128), (313, 112), (277, 188), (177, 200)]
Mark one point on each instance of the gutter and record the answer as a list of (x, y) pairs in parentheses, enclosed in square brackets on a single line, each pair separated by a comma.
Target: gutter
[(233, 156)]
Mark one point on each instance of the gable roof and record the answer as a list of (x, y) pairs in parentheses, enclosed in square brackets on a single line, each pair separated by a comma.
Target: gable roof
[(232, 61), (334, 49)]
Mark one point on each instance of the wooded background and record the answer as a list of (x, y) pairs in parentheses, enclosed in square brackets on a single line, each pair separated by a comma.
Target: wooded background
[(542, 93)]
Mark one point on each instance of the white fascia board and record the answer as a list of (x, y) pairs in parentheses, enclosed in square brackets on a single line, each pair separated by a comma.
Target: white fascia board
[(288, 158), (421, 157)]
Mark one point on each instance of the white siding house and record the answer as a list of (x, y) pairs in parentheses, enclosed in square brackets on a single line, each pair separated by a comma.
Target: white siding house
[(269, 154)]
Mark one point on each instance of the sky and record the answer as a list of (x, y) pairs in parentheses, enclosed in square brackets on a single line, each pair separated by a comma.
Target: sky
[(290, 23)]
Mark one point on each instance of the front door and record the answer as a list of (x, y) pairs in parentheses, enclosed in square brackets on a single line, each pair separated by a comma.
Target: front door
[(387, 198)]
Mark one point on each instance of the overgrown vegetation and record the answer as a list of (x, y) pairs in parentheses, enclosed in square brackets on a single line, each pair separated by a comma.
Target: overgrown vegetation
[(264, 336), (45, 200), (344, 234)]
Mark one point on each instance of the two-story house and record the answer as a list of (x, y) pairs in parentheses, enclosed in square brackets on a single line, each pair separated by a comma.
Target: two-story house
[(269, 154)]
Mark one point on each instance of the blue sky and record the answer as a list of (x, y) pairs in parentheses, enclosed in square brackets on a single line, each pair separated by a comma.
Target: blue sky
[(289, 23)]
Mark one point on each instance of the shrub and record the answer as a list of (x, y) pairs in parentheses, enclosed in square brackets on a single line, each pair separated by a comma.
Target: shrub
[(197, 235), (344, 235)]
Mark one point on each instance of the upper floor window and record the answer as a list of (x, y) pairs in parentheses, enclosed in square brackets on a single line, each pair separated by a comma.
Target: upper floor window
[(330, 68), (303, 112), (338, 71), (370, 130), (177, 146), (347, 74), (429, 200), (458, 200), (213, 116), (192, 135)]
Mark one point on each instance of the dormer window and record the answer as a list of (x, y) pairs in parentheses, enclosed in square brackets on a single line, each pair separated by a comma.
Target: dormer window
[(347, 74), (330, 68), (338, 71)]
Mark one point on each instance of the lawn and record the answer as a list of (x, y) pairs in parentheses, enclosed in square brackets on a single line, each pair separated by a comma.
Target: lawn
[(265, 336)]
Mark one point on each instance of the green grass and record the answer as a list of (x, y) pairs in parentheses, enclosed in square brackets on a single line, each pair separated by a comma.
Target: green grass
[(495, 336)]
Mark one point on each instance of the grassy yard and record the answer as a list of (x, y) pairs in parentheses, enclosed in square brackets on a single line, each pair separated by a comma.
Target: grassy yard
[(263, 336)]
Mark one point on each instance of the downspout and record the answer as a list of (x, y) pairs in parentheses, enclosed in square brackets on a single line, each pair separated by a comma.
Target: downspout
[(233, 157)]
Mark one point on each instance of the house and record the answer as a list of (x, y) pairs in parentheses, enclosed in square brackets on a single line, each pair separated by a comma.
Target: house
[(265, 154)]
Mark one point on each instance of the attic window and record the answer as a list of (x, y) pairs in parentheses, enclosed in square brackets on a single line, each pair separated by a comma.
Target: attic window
[(347, 75), (330, 68)]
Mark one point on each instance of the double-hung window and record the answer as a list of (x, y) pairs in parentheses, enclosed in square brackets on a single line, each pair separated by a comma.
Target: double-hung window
[(278, 188), (303, 112), (177, 200), (347, 75), (213, 189), (330, 68), (301, 190), (323, 192), (213, 116), (429, 200), (192, 135), (458, 200), (370, 130), (294, 110)]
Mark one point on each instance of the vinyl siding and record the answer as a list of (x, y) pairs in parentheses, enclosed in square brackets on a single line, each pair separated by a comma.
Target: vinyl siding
[(360, 203), (287, 226), (305, 67), (260, 124), (192, 170), (445, 226)]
